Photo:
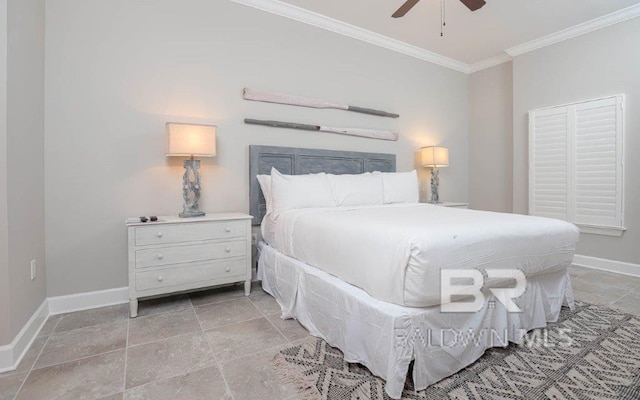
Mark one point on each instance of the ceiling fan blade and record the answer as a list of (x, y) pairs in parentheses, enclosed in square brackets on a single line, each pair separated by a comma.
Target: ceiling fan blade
[(408, 5), (474, 4)]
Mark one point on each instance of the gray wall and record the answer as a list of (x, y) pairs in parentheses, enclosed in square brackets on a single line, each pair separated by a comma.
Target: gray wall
[(604, 62), (116, 71), (490, 139), (5, 336), (25, 169)]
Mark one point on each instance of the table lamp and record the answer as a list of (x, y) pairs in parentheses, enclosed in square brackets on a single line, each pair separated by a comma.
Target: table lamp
[(435, 157), (186, 140)]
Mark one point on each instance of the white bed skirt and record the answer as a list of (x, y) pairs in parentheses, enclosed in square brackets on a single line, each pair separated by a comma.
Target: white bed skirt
[(386, 337)]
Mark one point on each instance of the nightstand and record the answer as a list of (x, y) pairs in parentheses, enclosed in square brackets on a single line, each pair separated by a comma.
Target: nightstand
[(179, 254), (452, 204)]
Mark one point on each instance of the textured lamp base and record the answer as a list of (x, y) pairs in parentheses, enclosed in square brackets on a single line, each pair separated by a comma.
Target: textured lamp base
[(435, 182), (191, 189), (191, 214)]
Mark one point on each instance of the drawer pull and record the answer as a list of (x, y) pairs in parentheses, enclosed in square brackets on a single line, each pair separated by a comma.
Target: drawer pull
[(227, 230), (227, 269), (228, 249), (160, 256), (159, 234), (160, 278)]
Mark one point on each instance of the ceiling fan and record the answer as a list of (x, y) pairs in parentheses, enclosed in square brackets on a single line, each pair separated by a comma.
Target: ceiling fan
[(408, 5)]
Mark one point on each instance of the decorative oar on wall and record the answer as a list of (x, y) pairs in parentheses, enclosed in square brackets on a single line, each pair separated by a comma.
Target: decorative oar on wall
[(367, 133), (280, 98)]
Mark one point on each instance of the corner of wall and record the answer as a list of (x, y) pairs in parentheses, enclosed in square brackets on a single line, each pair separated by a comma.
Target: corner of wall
[(491, 133), (25, 26), (4, 268)]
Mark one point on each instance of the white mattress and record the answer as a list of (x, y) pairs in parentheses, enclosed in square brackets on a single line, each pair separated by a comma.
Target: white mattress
[(396, 252), (386, 337)]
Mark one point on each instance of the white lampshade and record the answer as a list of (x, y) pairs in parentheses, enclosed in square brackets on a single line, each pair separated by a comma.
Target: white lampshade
[(435, 157), (191, 140)]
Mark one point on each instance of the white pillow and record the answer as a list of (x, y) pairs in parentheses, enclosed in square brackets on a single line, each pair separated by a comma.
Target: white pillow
[(357, 190), (265, 185), (401, 187), (299, 191)]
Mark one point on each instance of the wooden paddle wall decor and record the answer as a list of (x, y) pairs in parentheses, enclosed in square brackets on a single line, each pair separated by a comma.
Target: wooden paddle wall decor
[(368, 133), (280, 98)]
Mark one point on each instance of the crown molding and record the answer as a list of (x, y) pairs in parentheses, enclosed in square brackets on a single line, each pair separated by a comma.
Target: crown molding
[(490, 62), (577, 30), (342, 28)]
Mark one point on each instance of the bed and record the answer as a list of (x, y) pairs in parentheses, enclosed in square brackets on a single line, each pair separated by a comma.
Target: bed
[(380, 304)]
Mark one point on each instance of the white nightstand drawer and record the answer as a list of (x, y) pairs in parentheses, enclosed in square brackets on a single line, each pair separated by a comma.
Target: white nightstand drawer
[(163, 234), (184, 254), (201, 272)]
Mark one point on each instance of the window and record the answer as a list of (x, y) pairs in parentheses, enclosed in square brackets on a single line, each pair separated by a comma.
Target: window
[(576, 164)]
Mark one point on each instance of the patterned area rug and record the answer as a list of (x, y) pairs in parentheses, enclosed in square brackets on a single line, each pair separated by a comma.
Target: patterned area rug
[(602, 362)]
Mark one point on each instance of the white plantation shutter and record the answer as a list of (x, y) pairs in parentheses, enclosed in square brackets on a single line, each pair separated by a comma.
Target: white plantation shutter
[(549, 181), (576, 164), (597, 162)]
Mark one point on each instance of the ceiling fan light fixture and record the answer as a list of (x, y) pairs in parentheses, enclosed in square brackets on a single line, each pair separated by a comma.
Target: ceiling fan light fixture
[(472, 5)]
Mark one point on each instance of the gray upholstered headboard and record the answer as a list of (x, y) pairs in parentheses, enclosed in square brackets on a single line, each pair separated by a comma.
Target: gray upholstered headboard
[(298, 161)]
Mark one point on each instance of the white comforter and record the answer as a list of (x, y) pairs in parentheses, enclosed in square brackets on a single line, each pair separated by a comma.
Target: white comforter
[(395, 252)]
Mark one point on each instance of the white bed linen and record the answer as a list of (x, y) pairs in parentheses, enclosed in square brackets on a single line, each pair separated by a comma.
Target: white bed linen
[(396, 252), (401, 187), (300, 191), (357, 190), (268, 229), (386, 337)]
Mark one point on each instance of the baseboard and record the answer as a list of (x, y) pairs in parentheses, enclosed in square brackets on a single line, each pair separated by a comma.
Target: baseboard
[(11, 354), (88, 300), (604, 264)]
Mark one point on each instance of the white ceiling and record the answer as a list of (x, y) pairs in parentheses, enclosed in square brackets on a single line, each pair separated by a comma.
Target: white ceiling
[(470, 37)]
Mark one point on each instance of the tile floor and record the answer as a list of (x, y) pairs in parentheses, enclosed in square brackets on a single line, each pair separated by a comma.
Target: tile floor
[(208, 345)]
